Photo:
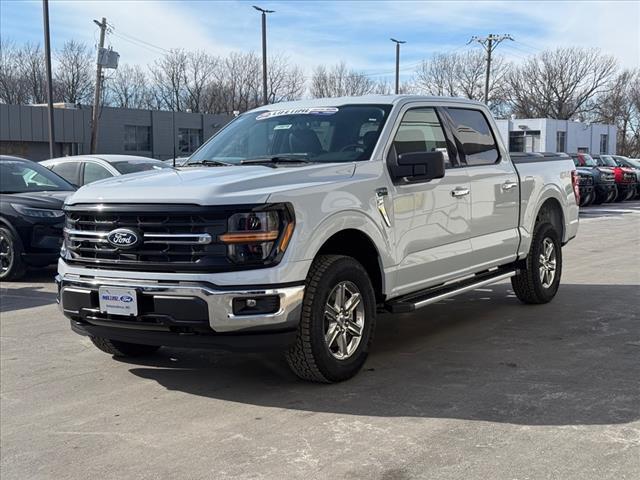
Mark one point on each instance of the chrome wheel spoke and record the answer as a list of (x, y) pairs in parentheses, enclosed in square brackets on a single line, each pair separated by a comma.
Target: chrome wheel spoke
[(354, 329), (351, 304), (332, 334), (331, 312), (343, 344)]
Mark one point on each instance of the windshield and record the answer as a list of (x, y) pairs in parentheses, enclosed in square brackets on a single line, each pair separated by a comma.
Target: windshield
[(19, 176), (125, 167), (606, 161), (584, 160), (627, 162), (319, 134)]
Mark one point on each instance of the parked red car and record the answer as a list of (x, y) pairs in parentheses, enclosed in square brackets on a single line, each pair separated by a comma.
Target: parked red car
[(626, 178)]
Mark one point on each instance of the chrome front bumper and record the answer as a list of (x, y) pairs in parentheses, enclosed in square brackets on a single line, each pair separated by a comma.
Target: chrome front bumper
[(219, 301)]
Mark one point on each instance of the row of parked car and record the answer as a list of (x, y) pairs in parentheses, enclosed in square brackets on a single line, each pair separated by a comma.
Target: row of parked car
[(607, 178), (32, 195), (31, 198)]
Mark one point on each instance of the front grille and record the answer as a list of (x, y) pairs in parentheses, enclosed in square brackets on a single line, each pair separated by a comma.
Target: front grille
[(171, 238), (608, 177), (584, 180)]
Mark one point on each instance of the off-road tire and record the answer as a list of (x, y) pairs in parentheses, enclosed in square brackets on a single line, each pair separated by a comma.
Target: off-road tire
[(527, 284), (309, 358), (17, 267), (123, 349)]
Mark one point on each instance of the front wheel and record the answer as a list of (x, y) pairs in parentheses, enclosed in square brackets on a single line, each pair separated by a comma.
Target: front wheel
[(337, 322), (539, 280), (123, 349), (11, 265)]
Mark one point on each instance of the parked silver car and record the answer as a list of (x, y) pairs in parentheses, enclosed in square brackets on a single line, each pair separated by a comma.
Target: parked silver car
[(82, 169)]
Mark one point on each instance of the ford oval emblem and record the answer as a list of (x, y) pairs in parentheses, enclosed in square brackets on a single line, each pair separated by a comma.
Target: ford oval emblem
[(123, 238), (126, 298)]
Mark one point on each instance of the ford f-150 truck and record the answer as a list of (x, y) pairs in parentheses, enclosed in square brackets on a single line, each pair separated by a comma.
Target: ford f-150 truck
[(298, 222)]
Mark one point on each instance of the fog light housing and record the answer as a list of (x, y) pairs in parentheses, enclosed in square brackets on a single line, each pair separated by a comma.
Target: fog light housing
[(257, 305)]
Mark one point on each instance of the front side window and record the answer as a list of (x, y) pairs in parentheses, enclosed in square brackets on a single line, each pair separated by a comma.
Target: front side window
[(420, 131), (67, 170), (318, 134), (134, 166), (137, 138), (477, 144), (94, 172)]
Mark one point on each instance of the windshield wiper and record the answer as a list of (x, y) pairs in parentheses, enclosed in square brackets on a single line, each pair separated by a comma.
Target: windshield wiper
[(209, 163), (274, 160)]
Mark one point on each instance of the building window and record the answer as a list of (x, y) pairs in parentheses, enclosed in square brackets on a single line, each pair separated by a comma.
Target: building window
[(524, 141), (189, 139), (604, 143), (583, 149), (561, 141), (137, 138)]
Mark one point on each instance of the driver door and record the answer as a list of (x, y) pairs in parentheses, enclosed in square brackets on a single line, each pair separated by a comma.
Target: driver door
[(432, 219)]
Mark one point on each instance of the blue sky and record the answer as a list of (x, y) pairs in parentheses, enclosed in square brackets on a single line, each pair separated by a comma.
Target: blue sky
[(313, 32)]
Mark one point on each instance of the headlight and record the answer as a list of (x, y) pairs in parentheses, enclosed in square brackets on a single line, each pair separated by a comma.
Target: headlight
[(37, 212), (259, 236)]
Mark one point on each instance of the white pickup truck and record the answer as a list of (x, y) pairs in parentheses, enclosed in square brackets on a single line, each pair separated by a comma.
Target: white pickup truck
[(298, 222)]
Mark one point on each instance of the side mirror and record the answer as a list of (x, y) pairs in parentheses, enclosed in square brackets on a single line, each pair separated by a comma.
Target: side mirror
[(419, 166)]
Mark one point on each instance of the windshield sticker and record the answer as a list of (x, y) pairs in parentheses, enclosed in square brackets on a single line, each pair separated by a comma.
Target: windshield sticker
[(298, 111), (282, 127)]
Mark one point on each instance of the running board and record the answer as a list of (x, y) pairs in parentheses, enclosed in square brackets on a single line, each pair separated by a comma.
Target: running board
[(414, 301)]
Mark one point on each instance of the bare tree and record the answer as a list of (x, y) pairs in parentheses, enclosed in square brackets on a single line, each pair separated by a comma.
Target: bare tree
[(339, 81), (169, 78), (33, 72), (13, 88), (199, 72), (74, 73), (284, 81), (563, 83), (438, 75), (128, 88)]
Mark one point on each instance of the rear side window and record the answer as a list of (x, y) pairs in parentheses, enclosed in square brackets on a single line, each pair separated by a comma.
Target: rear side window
[(477, 143), (420, 131), (94, 172), (68, 171)]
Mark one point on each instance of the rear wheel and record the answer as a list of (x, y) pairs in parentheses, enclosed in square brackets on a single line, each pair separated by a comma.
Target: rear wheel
[(337, 322), (11, 265), (539, 280), (123, 349)]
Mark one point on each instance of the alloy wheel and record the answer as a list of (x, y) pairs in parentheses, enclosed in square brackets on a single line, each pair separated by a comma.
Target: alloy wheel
[(344, 318), (6, 254), (547, 262)]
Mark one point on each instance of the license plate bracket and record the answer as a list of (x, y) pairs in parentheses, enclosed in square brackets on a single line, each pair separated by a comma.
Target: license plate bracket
[(118, 301)]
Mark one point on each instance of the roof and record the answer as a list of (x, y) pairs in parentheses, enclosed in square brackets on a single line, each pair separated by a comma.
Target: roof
[(110, 158), (363, 100)]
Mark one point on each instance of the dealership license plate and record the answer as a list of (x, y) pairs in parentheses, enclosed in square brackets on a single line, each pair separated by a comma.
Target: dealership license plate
[(118, 301)]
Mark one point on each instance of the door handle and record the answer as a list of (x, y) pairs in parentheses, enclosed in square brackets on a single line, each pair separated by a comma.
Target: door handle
[(459, 192), (508, 185)]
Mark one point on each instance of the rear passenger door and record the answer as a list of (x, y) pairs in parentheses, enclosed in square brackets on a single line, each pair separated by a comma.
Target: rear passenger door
[(92, 172), (495, 195)]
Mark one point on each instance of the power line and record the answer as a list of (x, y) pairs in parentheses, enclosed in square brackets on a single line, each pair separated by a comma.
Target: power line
[(489, 43)]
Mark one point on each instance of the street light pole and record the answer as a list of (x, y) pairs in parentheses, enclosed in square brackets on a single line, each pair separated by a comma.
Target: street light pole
[(397, 42), (47, 55), (265, 94)]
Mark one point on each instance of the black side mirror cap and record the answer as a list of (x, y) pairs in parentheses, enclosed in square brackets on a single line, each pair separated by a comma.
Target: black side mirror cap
[(419, 166)]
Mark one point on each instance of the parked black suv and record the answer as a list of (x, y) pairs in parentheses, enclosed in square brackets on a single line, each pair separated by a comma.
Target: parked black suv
[(31, 218), (604, 178)]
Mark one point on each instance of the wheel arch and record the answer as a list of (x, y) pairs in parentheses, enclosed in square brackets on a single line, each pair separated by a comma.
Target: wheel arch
[(358, 245)]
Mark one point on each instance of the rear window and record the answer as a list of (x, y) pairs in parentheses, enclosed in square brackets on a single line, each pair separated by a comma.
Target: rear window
[(476, 141), (125, 167)]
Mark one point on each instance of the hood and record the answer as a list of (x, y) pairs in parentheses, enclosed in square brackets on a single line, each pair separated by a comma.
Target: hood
[(210, 185), (52, 200)]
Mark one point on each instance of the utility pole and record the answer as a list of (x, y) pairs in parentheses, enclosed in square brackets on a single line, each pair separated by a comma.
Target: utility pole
[(265, 93), (397, 42), (47, 55), (489, 43), (96, 95)]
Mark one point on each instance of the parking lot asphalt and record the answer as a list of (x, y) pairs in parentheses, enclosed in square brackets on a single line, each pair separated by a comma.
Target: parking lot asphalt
[(476, 387)]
